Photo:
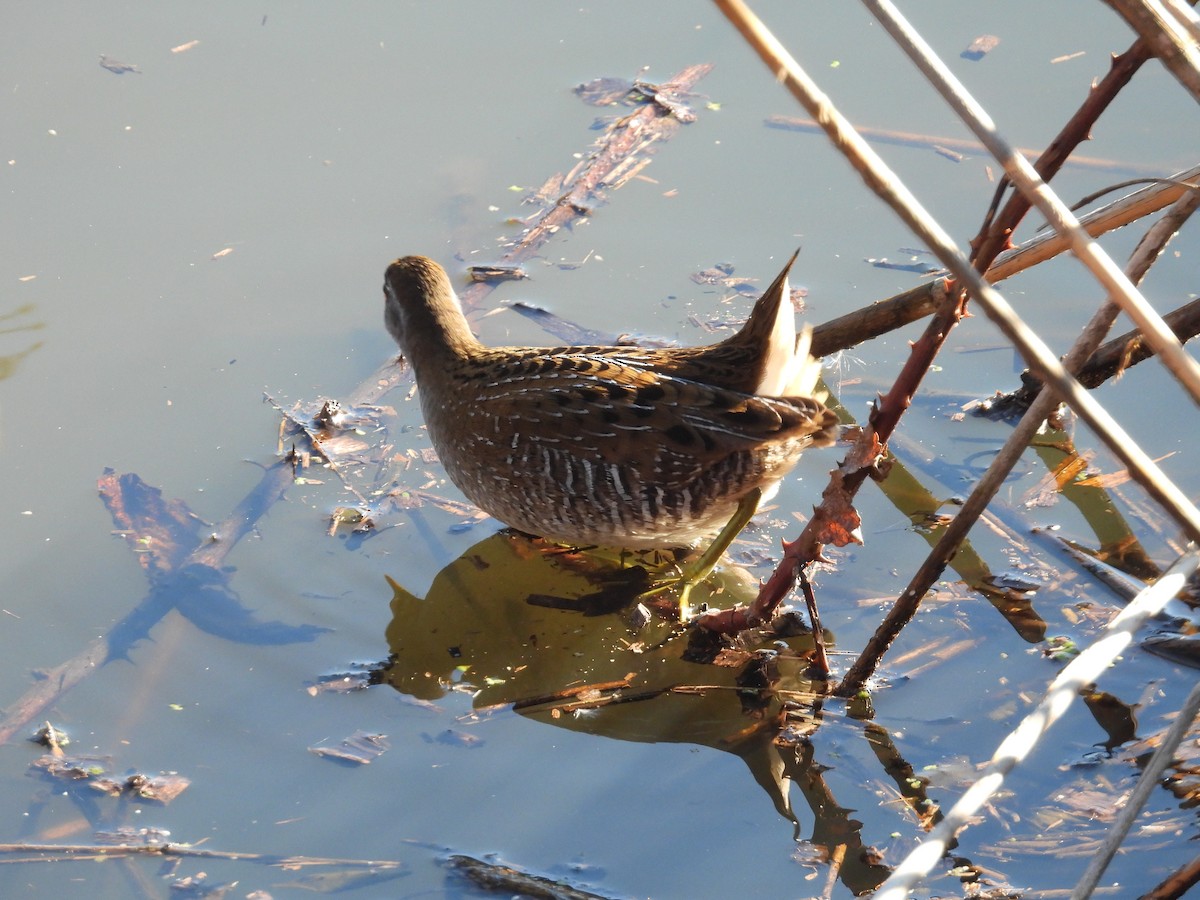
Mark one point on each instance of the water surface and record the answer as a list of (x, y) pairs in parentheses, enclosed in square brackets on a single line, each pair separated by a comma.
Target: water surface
[(216, 226)]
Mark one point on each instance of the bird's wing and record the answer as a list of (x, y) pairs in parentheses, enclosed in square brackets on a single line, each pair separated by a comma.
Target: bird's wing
[(606, 406)]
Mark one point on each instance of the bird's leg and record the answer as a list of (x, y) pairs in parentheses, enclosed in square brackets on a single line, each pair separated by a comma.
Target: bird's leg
[(696, 571), (701, 567)]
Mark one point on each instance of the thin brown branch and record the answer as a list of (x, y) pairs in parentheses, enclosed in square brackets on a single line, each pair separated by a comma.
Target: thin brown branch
[(879, 318), (1108, 362), (1129, 349), (1128, 209), (1176, 884)]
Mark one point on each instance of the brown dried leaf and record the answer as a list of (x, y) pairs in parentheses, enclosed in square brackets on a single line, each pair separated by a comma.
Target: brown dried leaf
[(840, 523), (865, 451)]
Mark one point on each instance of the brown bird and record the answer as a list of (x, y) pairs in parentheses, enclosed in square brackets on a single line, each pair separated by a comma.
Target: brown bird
[(617, 446)]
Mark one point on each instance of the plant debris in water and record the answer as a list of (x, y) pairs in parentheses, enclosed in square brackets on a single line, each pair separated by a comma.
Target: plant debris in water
[(358, 677), (116, 66), (620, 92), (161, 788), (51, 736), (980, 47), (496, 273), (455, 737), (505, 879), (360, 748)]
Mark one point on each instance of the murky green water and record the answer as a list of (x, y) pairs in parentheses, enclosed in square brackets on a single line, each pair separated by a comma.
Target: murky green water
[(182, 239)]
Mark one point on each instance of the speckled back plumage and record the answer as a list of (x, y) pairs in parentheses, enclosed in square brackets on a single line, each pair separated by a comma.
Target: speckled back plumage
[(619, 446)]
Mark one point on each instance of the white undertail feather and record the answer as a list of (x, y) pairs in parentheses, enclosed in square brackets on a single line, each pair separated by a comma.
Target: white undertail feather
[(789, 370), (806, 370), (780, 349)]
